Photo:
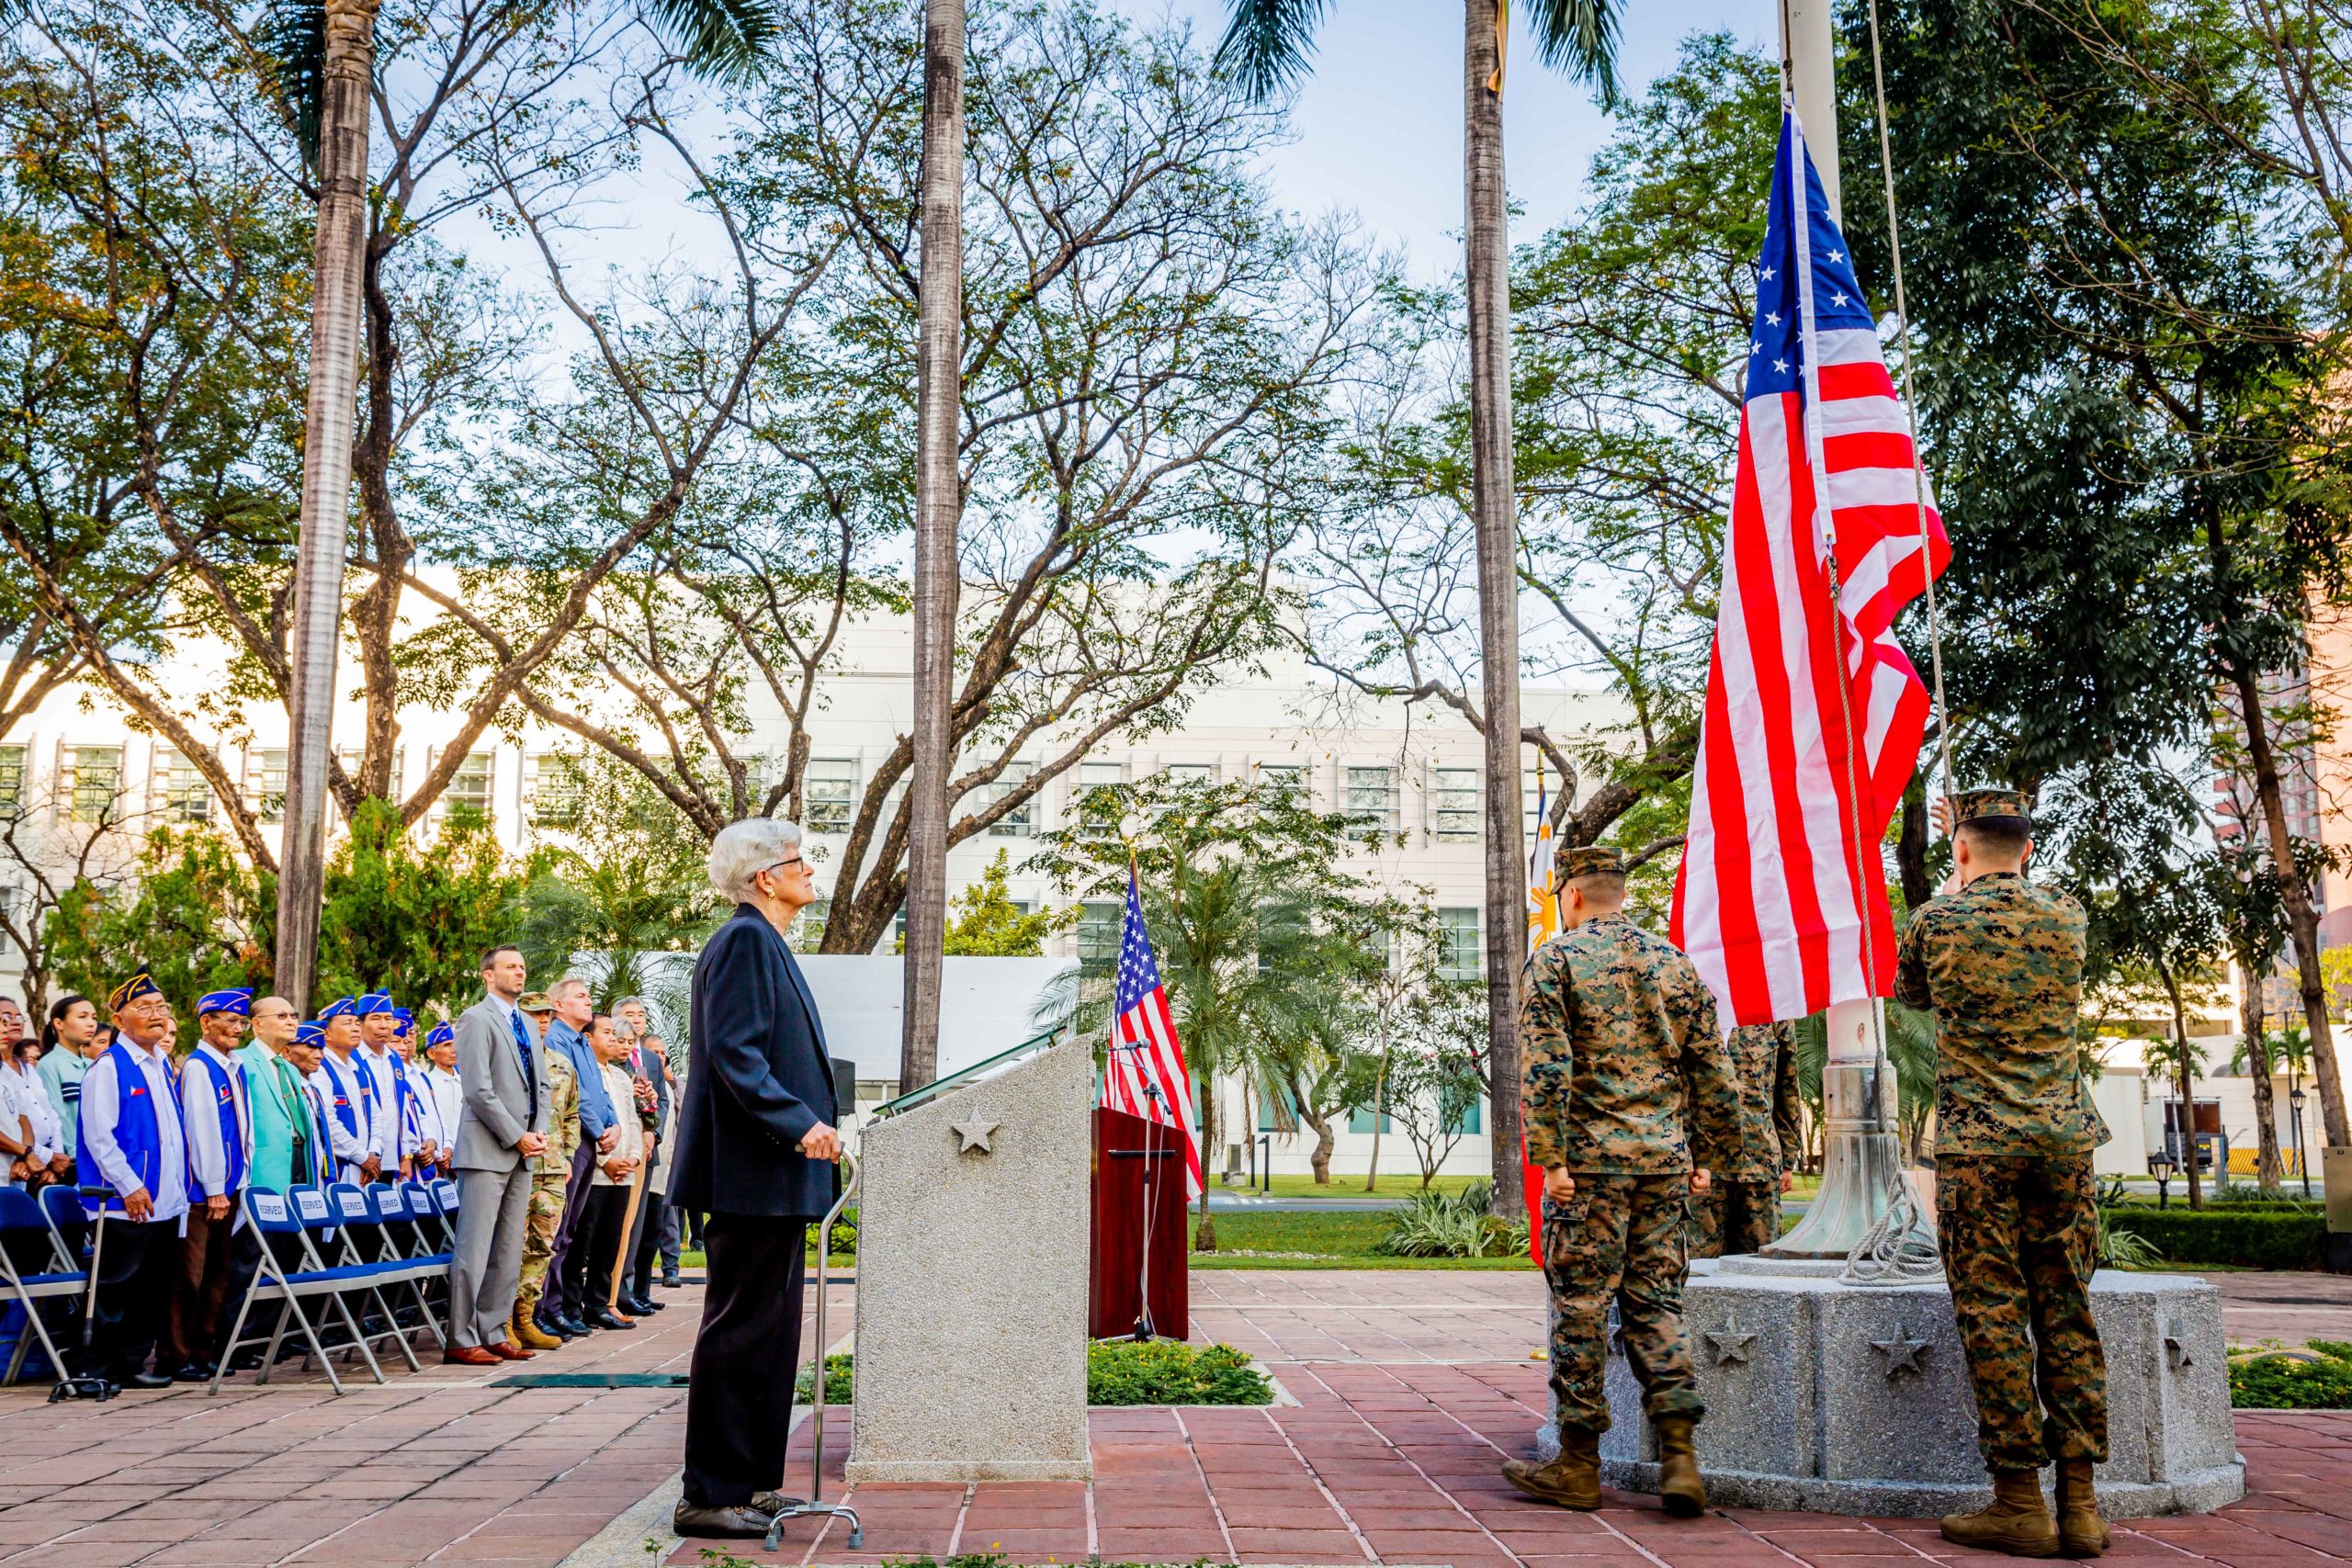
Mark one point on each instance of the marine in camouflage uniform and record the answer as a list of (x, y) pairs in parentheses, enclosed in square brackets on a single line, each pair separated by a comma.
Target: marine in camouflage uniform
[(1614, 1024), (2000, 962), (1740, 1211), (550, 1181)]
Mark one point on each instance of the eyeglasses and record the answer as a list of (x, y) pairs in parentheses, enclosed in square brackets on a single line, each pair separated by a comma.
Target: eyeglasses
[(782, 863)]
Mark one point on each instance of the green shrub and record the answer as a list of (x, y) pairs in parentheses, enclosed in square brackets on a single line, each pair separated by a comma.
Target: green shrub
[(1438, 1224), (837, 1382), (2255, 1237), (2119, 1248), (1167, 1371), (2319, 1379)]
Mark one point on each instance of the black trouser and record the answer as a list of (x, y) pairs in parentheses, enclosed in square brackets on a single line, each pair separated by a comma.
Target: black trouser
[(644, 1244), (738, 1396), (575, 1207), (136, 1264), (596, 1247)]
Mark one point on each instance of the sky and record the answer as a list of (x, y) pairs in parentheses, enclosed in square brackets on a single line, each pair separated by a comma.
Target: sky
[(1379, 117)]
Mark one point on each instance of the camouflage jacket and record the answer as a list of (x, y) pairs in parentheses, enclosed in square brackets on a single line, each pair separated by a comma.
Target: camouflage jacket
[(1764, 1055), (1623, 1070), (564, 1110), (2001, 962)]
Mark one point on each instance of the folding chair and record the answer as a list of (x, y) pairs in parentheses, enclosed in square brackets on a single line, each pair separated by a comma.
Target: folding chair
[(357, 1222), (404, 1257), (279, 1220), (26, 1229), (433, 1233)]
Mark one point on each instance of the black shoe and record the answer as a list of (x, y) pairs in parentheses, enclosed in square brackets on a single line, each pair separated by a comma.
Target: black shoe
[(141, 1380), (640, 1307), (192, 1371), (603, 1318), (247, 1362), (738, 1523)]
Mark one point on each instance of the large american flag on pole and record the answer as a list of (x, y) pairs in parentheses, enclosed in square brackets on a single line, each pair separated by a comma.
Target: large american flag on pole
[(1144, 1075), (1782, 869)]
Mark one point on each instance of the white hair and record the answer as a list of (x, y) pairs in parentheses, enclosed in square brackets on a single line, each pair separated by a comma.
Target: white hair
[(566, 983), (743, 850)]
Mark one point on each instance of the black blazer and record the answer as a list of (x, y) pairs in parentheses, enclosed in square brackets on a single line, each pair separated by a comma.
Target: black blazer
[(757, 1080)]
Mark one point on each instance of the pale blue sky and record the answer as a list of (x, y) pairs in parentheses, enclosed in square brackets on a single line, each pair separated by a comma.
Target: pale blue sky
[(1379, 121)]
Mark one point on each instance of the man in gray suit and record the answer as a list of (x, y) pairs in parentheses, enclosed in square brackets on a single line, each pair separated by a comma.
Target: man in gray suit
[(502, 1130)]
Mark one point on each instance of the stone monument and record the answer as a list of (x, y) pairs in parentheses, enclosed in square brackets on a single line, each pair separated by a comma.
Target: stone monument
[(970, 1358)]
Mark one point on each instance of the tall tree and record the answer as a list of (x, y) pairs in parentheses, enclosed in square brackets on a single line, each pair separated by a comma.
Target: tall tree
[(324, 52), (1267, 43)]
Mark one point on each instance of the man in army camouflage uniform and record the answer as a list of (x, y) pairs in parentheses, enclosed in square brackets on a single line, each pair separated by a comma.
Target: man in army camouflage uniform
[(1615, 1023), (1740, 1211), (549, 1185), (2001, 962)]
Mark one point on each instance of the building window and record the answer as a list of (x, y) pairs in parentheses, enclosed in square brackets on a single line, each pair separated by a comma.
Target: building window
[(1191, 774), (12, 778), (269, 791), (469, 786), (1361, 1121), (1471, 1121), (1094, 810), (1458, 953), (93, 776), (1283, 781), (1453, 805), (828, 795), (1371, 801), (809, 931), (558, 786), (1531, 809), (1022, 820), (1098, 934), (181, 794)]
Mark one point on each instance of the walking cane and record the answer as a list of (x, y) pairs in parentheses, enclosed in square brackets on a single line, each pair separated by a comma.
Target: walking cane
[(816, 1504), (88, 1385)]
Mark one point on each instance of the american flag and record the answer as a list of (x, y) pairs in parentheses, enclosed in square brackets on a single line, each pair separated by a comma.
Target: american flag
[(1145, 1054), (1782, 870)]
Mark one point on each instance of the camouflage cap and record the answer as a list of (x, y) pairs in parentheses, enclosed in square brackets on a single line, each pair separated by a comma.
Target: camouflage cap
[(1978, 805), (534, 1001), (1572, 861)]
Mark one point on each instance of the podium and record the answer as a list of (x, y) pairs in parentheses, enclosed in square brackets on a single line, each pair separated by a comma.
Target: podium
[(1138, 1178)]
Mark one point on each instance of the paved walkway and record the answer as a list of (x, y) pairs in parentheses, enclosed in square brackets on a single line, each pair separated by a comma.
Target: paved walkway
[(1411, 1387)]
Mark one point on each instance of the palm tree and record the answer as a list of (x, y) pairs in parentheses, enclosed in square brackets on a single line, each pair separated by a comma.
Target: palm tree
[(323, 52), (939, 505), (1266, 44)]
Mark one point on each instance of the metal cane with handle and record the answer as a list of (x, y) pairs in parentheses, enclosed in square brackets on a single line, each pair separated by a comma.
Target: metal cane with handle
[(816, 1504)]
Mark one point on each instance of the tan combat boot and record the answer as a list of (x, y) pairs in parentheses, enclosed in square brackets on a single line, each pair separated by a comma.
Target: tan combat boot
[(1679, 1486), (2081, 1532), (1571, 1481), (529, 1335), (2016, 1521)]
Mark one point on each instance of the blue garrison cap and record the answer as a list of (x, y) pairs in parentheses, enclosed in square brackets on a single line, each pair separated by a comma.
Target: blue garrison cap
[(310, 1031), (238, 1002), (440, 1035), (337, 1008), (374, 1002)]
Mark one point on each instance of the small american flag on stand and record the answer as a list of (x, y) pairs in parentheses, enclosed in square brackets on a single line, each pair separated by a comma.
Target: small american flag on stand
[(1144, 1075)]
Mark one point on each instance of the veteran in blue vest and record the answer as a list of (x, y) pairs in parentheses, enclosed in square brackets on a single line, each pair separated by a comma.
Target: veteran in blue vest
[(132, 1142), (388, 1083), (218, 1115), (349, 1091)]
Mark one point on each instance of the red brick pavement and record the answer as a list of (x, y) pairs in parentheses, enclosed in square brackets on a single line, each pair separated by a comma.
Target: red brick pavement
[(1411, 1389)]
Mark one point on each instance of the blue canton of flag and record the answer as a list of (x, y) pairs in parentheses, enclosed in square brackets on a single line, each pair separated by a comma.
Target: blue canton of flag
[(1144, 1074)]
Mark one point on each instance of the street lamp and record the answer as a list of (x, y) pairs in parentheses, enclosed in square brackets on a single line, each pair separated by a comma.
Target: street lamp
[(2295, 1099), (2161, 1166)]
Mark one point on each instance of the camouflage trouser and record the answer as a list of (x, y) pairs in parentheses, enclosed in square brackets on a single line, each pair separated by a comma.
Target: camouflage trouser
[(546, 1214), (2020, 1239), (1619, 1236), (1737, 1214)]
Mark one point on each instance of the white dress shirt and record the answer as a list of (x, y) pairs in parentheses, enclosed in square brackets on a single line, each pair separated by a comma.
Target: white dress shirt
[(23, 1094), (448, 1103), (390, 1142), (351, 1149), (207, 1157), (632, 1139), (102, 1103), (430, 1127)]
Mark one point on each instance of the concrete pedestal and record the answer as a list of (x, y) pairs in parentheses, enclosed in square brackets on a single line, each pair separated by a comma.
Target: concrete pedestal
[(971, 1282), (1855, 1399)]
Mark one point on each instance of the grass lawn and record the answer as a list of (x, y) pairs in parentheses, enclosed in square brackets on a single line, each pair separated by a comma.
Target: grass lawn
[(1398, 1184), (1294, 1239)]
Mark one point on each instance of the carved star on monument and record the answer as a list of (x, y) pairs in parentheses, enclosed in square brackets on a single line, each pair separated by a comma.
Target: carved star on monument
[(1730, 1343), (1902, 1354), (975, 1132)]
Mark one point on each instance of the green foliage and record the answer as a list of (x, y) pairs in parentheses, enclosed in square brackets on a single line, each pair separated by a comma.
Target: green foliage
[(1348, 1238), (195, 914), (837, 1382), (2318, 1378), (1438, 1224), (984, 922), (2249, 1235), (2120, 1247), (1167, 1371), (413, 917)]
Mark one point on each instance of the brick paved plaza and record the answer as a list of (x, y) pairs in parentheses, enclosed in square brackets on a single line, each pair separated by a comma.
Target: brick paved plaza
[(1410, 1389)]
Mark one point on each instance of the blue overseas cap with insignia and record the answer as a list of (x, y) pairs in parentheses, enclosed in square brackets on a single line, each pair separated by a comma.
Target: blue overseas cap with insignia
[(373, 1003), (238, 1002), (338, 1009), (404, 1023), (140, 984), (310, 1031), (441, 1034)]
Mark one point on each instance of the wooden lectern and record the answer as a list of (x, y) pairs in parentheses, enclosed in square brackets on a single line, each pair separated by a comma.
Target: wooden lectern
[(1138, 1175)]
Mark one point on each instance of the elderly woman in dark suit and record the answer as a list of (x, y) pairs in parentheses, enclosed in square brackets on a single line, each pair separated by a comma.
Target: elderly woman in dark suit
[(757, 1148)]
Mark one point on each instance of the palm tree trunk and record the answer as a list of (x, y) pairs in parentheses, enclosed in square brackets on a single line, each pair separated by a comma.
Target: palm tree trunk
[(1205, 1236), (938, 510), (2266, 1166), (1487, 271), (326, 484)]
